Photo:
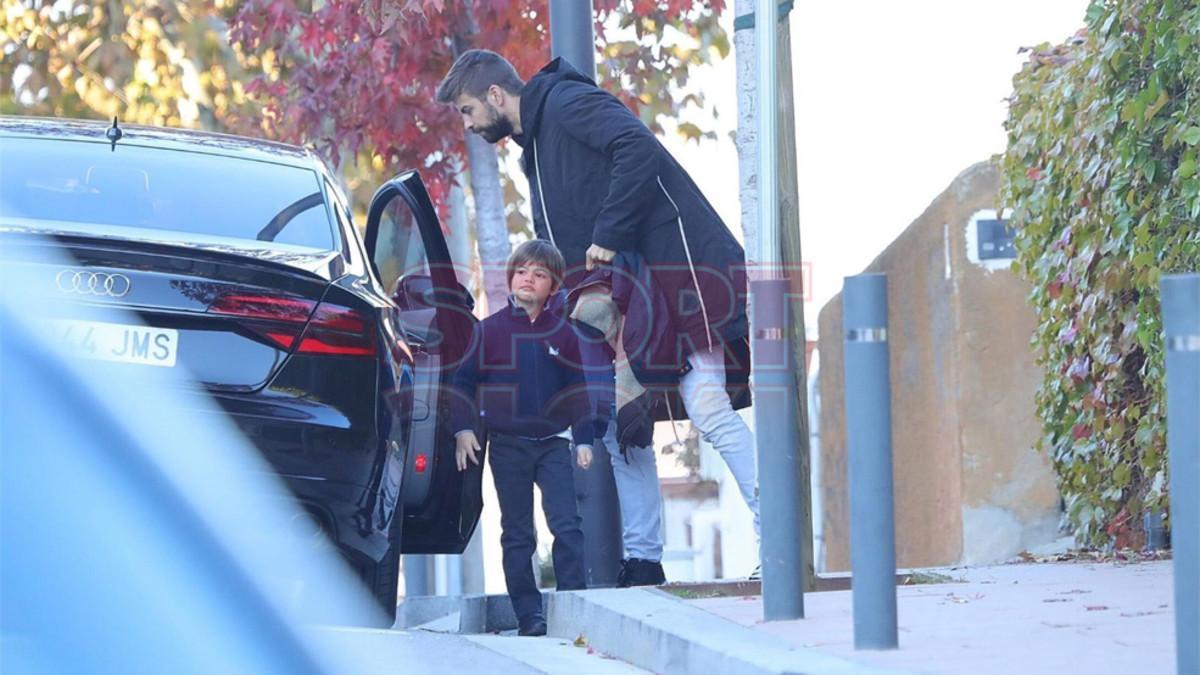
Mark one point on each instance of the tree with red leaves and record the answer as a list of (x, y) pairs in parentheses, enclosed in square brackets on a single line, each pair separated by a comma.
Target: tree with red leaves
[(356, 78)]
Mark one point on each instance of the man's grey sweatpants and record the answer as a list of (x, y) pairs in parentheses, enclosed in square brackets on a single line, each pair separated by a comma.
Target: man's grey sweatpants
[(705, 399), (636, 475)]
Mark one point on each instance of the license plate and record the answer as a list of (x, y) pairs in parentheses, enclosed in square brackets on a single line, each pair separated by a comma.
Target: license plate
[(142, 345)]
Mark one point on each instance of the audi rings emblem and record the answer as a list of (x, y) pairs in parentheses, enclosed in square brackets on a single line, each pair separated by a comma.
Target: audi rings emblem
[(86, 282)]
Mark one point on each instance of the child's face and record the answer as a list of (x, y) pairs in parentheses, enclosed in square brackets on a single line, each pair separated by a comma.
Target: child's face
[(532, 284)]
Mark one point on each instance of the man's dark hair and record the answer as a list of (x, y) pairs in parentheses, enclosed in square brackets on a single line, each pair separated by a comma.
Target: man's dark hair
[(541, 253), (474, 72)]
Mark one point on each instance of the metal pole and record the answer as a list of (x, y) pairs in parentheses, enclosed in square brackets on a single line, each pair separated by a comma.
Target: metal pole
[(572, 37), (571, 34), (780, 489), (869, 436), (778, 450), (1181, 326), (596, 492), (418, 575)]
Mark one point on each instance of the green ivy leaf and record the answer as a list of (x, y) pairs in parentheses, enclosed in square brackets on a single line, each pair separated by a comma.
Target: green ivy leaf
[(1187, 168), (1156, 106)]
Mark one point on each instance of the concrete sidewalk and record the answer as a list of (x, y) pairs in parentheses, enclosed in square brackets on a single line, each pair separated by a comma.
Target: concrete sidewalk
[(1023, 618)]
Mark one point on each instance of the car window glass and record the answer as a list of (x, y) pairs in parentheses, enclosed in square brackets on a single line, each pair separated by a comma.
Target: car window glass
[(345, 223), (399, 249), (170, 194)]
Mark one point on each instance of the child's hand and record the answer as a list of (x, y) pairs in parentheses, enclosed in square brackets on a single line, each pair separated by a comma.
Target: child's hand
[(583, 455), (466, 446)]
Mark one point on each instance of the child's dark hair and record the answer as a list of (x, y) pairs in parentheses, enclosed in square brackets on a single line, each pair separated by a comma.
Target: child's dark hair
[(541, 253)]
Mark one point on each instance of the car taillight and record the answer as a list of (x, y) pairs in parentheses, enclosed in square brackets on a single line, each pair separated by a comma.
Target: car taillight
[(338, 330), (269, 307), (280, 319), (421, 463), (331, 329)]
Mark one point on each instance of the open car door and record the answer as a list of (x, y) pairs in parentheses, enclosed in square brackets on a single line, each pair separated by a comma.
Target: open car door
[(408, 251)]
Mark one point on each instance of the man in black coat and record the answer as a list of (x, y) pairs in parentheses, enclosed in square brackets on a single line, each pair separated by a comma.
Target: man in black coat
[(600, 182)]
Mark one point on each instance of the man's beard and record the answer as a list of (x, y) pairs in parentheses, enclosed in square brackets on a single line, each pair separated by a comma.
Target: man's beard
[(498, 126)]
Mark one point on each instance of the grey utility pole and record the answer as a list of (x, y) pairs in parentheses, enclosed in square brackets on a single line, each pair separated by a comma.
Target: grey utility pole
[(571, 34), (572, 38), (418, 575), (1181, 326), (869, 437), (779, 447)]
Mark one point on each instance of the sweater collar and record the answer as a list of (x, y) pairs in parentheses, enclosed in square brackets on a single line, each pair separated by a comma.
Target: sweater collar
[(553, 305)]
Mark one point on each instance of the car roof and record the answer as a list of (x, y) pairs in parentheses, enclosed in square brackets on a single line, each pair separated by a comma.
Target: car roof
[(159, 137)]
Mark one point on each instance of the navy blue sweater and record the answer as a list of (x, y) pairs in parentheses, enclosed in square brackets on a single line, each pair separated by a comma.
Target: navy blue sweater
[(525, 378)]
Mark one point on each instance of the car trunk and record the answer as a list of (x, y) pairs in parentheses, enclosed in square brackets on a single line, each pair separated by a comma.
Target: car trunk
[(229, 314)]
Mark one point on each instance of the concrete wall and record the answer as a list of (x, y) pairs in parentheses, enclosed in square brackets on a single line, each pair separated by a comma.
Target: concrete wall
[(969, 486), (691, 529)]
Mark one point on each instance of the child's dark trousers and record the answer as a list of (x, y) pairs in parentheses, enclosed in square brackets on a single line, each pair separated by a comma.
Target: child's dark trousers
[(517, 463)]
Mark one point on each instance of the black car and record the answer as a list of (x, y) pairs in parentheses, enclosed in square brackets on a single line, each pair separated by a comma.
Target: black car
[(331, 351)]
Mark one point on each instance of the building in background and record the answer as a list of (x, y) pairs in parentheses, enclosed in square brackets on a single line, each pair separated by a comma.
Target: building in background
[(970, 487)]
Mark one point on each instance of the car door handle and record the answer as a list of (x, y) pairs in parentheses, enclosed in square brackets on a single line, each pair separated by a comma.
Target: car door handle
[(420, 411)]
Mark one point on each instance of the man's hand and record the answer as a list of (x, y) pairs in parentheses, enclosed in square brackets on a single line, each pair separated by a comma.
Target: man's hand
[(583, 455), (466, 446), (596, 255)]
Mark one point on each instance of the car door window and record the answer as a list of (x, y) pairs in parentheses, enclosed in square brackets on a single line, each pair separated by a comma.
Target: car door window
[(399, 250)]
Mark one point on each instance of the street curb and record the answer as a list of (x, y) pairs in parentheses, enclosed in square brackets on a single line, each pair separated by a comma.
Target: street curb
[(656, 631), (477, 613)]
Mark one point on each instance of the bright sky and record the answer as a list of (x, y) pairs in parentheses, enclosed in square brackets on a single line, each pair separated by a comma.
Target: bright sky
[(893, 100)]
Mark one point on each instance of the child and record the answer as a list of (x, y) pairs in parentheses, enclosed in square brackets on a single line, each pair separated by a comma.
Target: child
[(522, 375)]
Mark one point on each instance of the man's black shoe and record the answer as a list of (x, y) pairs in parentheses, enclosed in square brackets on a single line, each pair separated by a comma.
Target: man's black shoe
[(623, 575), (533, 628), (641, 572)]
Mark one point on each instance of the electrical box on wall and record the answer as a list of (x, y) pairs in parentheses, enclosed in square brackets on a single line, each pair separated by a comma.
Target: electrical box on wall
[(995, 240)]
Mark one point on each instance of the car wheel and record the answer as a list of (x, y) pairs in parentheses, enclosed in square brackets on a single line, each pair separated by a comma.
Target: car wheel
[(383, 578), (383, 582)]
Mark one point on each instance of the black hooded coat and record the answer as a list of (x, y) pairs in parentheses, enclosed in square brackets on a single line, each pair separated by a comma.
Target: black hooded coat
[(598, 175)]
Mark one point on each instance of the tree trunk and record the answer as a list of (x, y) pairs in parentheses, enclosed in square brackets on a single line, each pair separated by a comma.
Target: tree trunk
[(747, 144), (746, 59), (459, 242), (491, 226)]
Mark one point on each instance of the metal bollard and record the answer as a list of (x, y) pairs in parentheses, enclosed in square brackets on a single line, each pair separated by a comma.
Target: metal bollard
[(1156, 534), (869, 438), (596, 492), (779, 506), (1181, 326), (418, 575)]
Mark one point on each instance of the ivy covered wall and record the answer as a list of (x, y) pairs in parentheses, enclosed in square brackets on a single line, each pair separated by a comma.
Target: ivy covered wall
[(1101, 176)]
